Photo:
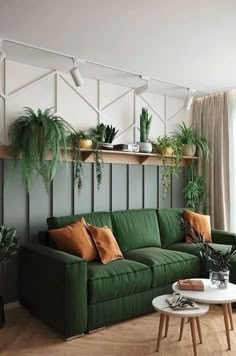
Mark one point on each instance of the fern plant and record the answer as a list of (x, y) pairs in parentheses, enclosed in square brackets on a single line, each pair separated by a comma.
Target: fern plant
[(35, 134)]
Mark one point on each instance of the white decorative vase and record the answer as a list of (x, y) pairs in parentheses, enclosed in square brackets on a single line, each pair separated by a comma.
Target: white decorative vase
[(219, 279), (145, 147), (189, 150)]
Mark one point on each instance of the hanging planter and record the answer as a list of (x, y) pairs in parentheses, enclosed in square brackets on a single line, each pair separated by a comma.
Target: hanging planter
[(33, 136)]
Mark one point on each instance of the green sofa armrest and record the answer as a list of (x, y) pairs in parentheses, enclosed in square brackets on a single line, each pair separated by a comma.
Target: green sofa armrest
[(53, 285), (223, 237)]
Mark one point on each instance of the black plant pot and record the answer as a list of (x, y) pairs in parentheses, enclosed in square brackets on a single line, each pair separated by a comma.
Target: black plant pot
[(2, 313)]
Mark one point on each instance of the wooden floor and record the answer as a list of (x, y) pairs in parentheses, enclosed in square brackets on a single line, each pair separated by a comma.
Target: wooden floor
[(25, 335)]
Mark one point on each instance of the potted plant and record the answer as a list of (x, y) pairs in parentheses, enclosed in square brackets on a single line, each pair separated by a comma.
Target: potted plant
[(8, 247), (34, 135), (104, 134), (195, 191), (169, 146), (191, 141), (145, 124), (217, 262), (88, 141), (84, 140)]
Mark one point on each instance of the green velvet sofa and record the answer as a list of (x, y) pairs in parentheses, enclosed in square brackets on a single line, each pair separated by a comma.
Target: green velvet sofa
[(75, 297)]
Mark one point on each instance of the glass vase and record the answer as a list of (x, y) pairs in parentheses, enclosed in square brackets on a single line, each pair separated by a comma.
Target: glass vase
[(219, 279)]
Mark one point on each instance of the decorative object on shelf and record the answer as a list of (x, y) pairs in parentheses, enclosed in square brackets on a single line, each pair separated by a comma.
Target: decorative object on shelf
[(127, 147), (35, 134), (217, 262), (78, 140), (145, 124), (191, 141), (8, 247), (169, 146)]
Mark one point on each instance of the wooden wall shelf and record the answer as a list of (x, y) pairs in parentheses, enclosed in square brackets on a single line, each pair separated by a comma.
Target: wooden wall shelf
[(117, 157)]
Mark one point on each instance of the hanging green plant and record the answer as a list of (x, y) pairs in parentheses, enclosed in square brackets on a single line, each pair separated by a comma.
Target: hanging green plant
[(80, 140), (195, 191), (169, 146), (35, 134)]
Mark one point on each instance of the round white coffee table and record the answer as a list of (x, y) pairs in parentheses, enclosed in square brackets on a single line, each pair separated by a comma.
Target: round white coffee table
[(160, 304), (211, 295)]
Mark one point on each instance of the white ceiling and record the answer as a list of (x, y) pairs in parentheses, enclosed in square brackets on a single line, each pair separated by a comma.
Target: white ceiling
[(188, 42)]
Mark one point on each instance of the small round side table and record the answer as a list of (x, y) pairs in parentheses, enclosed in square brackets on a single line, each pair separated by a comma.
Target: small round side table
[(211, 295), (160, 304)]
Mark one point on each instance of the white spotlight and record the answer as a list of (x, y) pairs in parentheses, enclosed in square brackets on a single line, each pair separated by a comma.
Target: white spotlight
[(76, 75), (189, 99), (144, 88), (2, 54)]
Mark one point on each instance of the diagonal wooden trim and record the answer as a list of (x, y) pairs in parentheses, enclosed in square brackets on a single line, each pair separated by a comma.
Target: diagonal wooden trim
[(177, 112), (3, 95), (127, 128), (35, 81), (78, 93), (118, 99)]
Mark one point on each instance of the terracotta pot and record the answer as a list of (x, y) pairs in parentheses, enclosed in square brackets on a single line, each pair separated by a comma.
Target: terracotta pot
[(85, 143), (168, 151), (189, 150)]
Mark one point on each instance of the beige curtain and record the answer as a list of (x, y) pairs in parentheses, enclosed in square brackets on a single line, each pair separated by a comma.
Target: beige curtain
[(210, 119)]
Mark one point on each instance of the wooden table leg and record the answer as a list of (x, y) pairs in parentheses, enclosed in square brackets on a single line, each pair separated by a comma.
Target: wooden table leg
[(192, 325), (199, 329), (162, 320), (225, 313), (167, 325), (181, 329), (229, 306)]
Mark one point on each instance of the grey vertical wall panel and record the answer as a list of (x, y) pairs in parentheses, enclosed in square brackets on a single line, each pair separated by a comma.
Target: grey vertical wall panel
[(135, 195), (63, 190), (15, 200), (83, 202), (102, 196), (177, 200), (119, 186), (11, 280), (39, 208), (163, 203), (150, 187)]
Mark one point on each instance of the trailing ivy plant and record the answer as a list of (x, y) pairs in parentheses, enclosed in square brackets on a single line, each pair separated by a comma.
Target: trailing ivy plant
[(171, 164), (35, 134), (76, 155)]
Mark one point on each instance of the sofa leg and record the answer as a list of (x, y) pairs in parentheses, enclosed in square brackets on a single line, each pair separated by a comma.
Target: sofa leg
[(73, 337), (95, 330)]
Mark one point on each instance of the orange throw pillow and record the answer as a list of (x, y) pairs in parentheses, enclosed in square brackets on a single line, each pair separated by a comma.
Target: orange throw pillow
[(75, 239), (106, 243), (201, 223)]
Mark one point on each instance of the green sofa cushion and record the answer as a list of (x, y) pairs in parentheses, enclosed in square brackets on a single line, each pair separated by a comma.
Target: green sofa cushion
[(99, 219), (116, 279), (170, 228), (136, 228), (167, 266)]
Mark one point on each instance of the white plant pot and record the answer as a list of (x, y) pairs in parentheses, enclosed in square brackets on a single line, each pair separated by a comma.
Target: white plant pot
[(189, 150), (145, 147)]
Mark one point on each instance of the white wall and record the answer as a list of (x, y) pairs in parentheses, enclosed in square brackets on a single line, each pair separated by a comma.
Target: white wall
[(24, 85)]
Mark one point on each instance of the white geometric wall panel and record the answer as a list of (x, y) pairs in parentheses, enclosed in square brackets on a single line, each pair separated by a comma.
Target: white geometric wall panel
[(24, 85)]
